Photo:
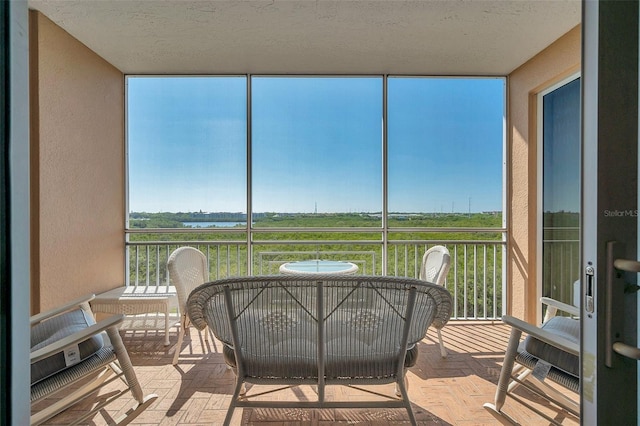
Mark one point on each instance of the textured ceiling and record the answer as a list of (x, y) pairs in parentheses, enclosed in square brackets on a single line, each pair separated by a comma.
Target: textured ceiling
[(437, 37)]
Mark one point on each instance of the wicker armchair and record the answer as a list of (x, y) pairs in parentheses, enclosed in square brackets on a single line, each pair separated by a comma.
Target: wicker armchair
[(319, 330), (68, 347), (435, 267), (188, 268)]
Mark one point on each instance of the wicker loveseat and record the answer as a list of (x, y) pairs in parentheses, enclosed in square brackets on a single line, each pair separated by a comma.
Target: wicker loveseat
[(319, 330)]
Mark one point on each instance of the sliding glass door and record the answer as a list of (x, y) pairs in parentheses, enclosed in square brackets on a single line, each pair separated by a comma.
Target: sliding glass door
[(559, 193)]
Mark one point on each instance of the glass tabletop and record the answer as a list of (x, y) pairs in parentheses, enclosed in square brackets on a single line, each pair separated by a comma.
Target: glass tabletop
[(319, 267)]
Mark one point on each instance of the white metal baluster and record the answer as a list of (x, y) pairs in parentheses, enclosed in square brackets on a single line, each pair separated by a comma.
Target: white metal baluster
[(237, 272), (167, 278), (137, 265), (217, 261), (465, 283), (455, 281), (475, 281), (146, 280), (158, 268), (209, 260), (396, 261), (495, 296), (406, 260)]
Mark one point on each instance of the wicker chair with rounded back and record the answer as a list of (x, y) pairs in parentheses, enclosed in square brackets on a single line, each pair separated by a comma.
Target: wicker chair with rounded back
[(435, 267), (188, 268)]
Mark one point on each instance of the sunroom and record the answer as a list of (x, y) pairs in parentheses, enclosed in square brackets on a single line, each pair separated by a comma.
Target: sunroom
[(155, 125)]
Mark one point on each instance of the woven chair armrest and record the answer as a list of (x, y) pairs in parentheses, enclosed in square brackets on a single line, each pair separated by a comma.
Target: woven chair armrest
[(75, 338), (59, 310), (542, 335), (195, 312), (570, 309)]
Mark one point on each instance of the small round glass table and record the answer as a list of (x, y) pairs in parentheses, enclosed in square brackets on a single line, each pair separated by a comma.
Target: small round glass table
[(319, 267)]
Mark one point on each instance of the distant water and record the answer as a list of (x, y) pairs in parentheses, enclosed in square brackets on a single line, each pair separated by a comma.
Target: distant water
[(216, 224)]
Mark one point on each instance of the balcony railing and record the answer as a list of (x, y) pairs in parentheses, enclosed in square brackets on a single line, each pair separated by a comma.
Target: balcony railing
[(560, 262), (476, 278)]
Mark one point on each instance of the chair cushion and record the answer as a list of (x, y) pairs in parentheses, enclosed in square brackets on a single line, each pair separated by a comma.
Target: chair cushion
[(54, 329), (564, 327)]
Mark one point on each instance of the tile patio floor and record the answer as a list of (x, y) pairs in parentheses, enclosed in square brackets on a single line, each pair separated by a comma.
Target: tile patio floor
[(197, 391)]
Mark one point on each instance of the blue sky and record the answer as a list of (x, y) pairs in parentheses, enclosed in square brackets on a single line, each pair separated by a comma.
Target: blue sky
[(315, 142)]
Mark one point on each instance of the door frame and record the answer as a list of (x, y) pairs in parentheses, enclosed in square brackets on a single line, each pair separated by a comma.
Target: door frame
[(609, 178), (14, 213)]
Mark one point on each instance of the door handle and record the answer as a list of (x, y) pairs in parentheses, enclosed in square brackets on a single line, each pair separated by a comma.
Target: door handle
[(626, 350), (625, 265)]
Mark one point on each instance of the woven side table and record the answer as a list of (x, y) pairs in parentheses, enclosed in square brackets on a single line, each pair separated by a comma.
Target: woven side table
[(145, 307)]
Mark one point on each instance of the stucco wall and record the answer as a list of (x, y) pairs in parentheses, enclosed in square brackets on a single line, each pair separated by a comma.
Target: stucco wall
[(553, 64), (77, 179)]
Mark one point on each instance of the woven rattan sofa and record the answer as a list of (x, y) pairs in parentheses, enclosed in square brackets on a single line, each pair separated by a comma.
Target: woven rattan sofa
[(319, 330)]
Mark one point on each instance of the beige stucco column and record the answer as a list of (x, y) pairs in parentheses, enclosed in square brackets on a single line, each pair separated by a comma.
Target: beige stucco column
[(558, 61), (77, 168)]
